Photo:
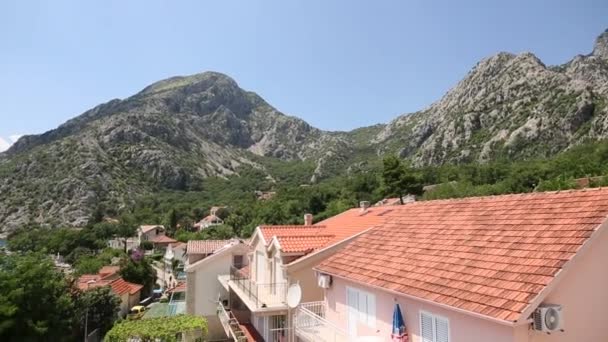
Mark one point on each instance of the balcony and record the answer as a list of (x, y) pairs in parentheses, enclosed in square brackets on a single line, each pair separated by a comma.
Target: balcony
[(258, 297), (311, 325)]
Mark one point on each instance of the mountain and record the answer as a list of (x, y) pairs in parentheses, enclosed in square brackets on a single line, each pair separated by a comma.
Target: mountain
[(509, 106), (170, 135), (179, 131)]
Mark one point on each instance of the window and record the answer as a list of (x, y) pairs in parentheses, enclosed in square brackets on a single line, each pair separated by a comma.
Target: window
[(237, 261), (361, 307), (434, 328)]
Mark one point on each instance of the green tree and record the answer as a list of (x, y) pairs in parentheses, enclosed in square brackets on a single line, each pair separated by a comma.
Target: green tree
[(137, 269), (88, 265), (172, 221), (398, 179), (36, 302), (101, 306)]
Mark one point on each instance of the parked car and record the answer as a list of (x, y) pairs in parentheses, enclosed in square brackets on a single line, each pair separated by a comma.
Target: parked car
[(136, 312)]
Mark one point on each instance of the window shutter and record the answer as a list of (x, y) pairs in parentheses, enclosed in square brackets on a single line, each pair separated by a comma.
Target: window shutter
[(371, 310), (442, 329), (426, 327)]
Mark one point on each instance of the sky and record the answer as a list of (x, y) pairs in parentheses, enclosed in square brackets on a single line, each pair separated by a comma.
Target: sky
[(336, 64)]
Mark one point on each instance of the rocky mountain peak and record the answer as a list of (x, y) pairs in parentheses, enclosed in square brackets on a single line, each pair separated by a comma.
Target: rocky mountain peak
[(601, 46), (178, 131)]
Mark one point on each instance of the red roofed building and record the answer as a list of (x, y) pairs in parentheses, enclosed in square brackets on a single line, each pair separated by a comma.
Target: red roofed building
[(128, 293), (161, 242), (210, 220), (149, 232), (285, 254), (512, 268)]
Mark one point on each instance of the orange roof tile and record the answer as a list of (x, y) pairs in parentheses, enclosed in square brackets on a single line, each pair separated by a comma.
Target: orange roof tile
[(295, 244), (488, 255), (300, 238), (120, 286), (163, 239), (108, 270), (147, 228), (206, 246)]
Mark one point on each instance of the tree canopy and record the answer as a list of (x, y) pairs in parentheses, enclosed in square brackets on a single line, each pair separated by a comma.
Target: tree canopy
[(137, 269), (36, 301)]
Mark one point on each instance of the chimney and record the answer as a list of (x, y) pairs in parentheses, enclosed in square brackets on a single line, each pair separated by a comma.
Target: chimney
[(308, 219), (364, 205)]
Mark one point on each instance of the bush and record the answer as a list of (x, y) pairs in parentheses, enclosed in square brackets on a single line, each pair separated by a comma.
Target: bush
[(147, 245)]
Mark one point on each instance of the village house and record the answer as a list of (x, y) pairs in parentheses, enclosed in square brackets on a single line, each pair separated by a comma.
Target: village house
[(512, 268), (128, 293), (207, 262), (210, 220), (161, 242), (280, 256), (174, 263), (149, 232)]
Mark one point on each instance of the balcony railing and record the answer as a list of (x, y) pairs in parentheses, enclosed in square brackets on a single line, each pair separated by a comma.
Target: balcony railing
[(311, 324), (260, 295), (231, 324)]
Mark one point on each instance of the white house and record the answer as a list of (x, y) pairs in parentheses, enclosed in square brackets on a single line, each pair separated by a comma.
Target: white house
[(208, 261), (149, 232)]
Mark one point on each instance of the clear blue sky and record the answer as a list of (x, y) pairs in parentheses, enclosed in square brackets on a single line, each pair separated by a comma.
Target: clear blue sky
[(336, 64)]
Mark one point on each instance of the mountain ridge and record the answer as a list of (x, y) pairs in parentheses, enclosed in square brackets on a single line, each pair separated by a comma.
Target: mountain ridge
[(178, 131)]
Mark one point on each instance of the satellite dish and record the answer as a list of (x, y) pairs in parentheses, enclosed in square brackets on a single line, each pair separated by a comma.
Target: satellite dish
[(552, 319), (294, 295)]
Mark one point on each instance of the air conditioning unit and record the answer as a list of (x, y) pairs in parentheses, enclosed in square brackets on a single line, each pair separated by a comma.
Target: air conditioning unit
[(324, 281), (548, 318)]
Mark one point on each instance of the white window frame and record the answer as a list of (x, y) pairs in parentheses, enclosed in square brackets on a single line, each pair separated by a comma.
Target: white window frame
[(434, 317), (369, 316)]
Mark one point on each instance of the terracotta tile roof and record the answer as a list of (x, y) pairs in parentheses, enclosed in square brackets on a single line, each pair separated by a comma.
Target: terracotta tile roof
[(206, 246), (178, 244), (147, 228), (488, 255), (108, 270), (300, 238), (163, 239), (294, 244), (121, 286), (289, 230), (85, 278)]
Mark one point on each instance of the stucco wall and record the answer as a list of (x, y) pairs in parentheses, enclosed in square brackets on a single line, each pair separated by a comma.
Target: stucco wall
[(583, 294), (307, 279), (463, 327), (134, 299), (124, 304), (208, 287), (204, 286)]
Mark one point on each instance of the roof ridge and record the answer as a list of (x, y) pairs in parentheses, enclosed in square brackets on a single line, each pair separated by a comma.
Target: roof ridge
[(515, 194)]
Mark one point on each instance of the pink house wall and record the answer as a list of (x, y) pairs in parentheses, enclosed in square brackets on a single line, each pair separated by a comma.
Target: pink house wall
[(463, 328), (583, 294)]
